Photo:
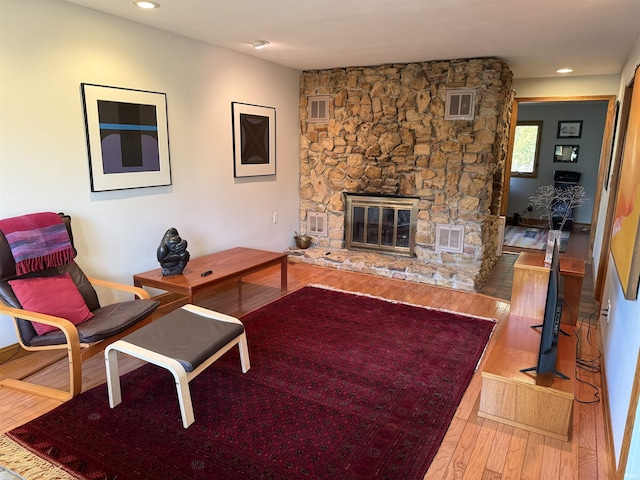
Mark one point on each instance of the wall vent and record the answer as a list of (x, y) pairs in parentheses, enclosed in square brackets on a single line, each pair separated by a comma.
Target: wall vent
[(318, 109), (460, 104), (449, 238), (317, 224)]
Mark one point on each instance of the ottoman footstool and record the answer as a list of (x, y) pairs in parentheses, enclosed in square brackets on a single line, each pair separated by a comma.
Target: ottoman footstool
[(185, 342)]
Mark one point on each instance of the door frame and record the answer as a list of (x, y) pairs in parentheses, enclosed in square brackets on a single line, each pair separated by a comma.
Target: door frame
[(603, 169)]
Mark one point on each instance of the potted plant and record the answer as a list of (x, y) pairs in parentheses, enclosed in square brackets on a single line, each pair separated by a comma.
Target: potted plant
[(556, 205)]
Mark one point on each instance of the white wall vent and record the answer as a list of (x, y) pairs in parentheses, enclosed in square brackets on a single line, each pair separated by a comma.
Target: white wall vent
[(449, 238), (317, 224), (318, 109), (460, 104)]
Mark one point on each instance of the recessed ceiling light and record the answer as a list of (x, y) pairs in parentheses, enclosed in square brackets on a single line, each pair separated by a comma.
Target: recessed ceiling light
[(564, 70), (258, 44), (147, 5)]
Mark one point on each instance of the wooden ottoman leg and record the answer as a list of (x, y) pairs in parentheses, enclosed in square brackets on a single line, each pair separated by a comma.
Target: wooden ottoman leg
[(113, 374), (162, 333), (244, 353), (176, 369)]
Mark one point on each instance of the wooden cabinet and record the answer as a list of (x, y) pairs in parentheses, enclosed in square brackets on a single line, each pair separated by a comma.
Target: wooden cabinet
[(530, 280), (537, 403), (541, 404)]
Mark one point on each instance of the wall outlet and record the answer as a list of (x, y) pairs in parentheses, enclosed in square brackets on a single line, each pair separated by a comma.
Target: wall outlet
[(275, 217)]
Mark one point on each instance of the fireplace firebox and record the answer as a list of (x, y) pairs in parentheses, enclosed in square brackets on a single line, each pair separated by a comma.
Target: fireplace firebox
[(381, 223)]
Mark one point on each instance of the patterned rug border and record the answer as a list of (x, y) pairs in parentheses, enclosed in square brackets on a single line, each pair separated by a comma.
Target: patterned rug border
[(400, 302), (22, 461)]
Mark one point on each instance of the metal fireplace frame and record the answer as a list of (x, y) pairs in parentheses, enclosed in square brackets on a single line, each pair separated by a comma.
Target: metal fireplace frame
[(390, 236)]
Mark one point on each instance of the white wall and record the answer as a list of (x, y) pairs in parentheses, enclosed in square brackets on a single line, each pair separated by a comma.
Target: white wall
[(48, 48), (569, 86), (621, 329)]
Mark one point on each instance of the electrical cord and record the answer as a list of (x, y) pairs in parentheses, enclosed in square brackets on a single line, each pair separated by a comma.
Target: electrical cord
[(589, 363)]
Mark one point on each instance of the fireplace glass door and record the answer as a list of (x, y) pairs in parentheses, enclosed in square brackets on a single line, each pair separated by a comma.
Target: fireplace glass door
[(385, 224)]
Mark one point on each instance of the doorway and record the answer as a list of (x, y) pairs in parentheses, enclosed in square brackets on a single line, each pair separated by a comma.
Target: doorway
[(595, 162)]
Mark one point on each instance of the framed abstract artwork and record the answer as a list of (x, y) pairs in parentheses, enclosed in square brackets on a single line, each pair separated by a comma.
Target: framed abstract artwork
[(127, 137), (254, 140), (625, 238)]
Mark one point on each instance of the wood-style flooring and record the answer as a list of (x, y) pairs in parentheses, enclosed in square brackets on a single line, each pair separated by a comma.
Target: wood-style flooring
[(474, 448)]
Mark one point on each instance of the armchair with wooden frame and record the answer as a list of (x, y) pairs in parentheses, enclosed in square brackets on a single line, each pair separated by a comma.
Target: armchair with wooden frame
[(81, 341)]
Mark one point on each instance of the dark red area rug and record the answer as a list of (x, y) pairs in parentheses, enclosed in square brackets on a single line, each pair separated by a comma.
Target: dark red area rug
[(341, 386)]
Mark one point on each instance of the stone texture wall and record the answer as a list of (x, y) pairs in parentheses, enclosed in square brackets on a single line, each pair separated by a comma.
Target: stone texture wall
[(387, 135)]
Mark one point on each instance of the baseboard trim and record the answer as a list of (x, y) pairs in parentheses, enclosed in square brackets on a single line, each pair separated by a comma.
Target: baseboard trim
[(11, 352)]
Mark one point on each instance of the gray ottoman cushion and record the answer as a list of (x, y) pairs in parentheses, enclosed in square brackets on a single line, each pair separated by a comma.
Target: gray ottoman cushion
[(186, 337)]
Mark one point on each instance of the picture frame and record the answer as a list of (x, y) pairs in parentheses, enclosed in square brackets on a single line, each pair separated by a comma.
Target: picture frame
[(566, 153), (625, 238), (127, 137), (569, 129), (254, 140), (614, 134)]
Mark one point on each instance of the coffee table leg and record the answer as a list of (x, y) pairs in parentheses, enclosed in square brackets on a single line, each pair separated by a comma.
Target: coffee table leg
[(283, 275)]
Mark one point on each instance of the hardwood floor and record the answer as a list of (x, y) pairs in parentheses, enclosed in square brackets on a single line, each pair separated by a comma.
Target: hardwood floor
[(473, 448)]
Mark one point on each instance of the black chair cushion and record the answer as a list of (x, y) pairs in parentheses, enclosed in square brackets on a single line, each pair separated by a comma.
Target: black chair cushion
[(107, 321)]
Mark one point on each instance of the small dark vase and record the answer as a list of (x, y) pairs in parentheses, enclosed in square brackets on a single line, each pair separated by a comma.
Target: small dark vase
[(172, 253)]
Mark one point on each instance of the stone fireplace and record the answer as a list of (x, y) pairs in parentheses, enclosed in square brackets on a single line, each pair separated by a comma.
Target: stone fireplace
[(387, 136)]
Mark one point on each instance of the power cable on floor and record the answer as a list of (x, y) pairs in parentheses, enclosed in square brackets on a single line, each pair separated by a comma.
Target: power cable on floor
[(589, 363)]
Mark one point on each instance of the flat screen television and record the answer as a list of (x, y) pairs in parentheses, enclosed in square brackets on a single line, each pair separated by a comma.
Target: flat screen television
[(550, 327)]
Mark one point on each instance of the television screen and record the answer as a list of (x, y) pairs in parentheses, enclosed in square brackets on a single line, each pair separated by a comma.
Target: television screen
[(550, 327)]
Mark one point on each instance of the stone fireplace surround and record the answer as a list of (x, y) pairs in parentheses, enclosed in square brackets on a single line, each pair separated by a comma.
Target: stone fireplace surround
[(387, 135)]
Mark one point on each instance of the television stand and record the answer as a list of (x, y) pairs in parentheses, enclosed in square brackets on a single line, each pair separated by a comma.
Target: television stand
[(529, 287), (554, 371), (562, 332), (537, 403)]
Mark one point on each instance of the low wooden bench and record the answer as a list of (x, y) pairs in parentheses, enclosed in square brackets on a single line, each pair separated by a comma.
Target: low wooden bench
[(185, 342)]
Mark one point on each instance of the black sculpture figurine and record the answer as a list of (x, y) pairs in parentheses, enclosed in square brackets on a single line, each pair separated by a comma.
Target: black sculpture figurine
[(172, 253)]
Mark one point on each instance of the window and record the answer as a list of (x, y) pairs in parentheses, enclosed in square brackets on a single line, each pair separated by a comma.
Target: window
[(526, 149)]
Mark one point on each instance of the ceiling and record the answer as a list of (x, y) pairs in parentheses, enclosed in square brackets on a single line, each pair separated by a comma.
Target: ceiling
[(535, 37)]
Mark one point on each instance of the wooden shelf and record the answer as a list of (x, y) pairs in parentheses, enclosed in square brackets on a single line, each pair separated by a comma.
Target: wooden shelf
[(541, 404), (537, 403)]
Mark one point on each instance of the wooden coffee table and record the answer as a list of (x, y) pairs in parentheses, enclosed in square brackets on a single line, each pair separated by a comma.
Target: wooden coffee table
[(226, 265)]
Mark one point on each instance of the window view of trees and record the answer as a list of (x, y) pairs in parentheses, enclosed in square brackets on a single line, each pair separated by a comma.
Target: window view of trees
[(526, 144)]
